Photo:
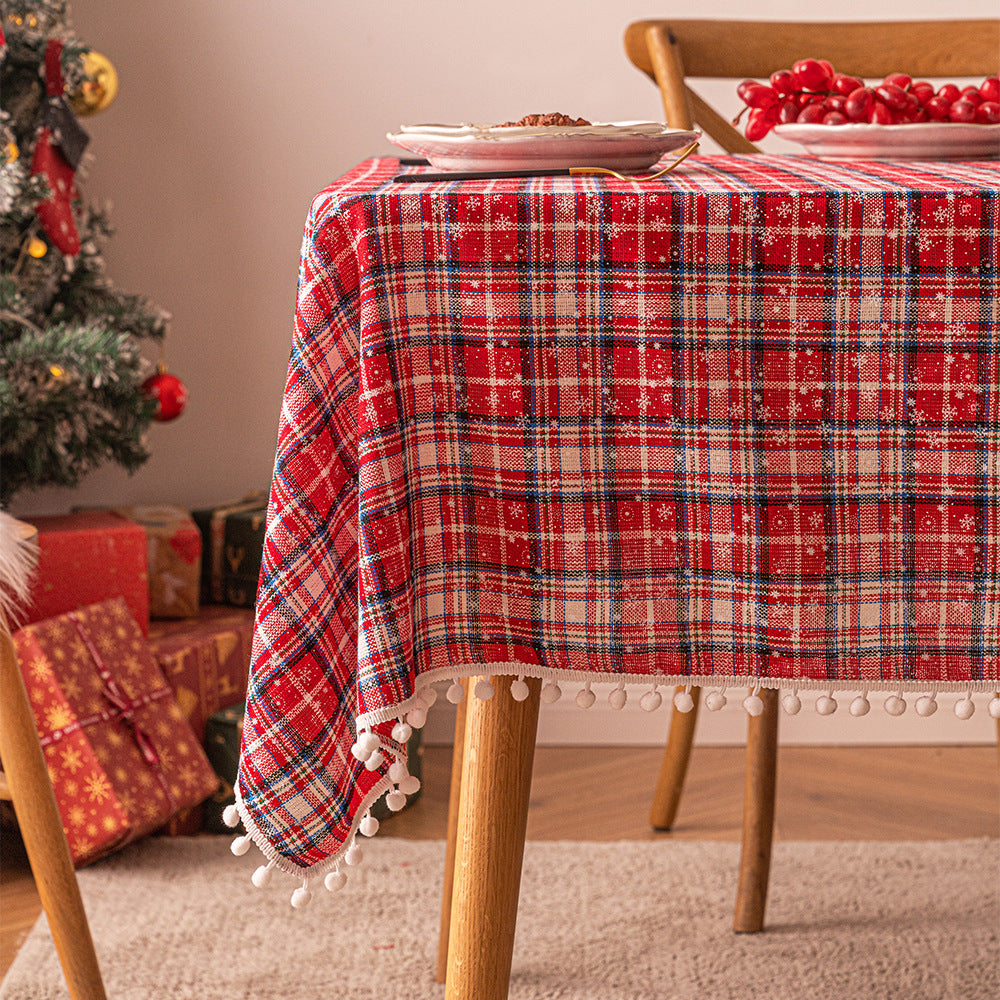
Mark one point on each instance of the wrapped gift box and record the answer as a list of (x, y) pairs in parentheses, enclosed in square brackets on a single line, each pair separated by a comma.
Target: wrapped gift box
[(173, 547), (122, 758), (223, 732), (206, 662), (227, 551), (85, 558)]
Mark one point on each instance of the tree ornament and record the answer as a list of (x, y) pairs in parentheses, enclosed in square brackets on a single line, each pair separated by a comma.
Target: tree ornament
[(99, 86), (58, 150), (168, 392)]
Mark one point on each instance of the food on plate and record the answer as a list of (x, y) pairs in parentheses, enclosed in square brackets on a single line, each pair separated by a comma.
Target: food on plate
[(812, 92), (552, 118)]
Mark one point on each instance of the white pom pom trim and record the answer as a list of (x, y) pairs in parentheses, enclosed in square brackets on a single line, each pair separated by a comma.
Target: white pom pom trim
[(715, 701), (241, 845), (335, 880), (926, 705), (618, 697), (416, 717), (585, 698), (231, 815), (551, 693), (965, 707), (354, 855), (302, 896), (395, 800), (861, 705), (994, 707), (455, 692), (375, 761), (263, 876), (792, 703), (519, 688), (483, 689), (895, 704), (753, 703), (651, 700), (402, 731), (684, 701), (826, 704), (368, 827), (410, 785)]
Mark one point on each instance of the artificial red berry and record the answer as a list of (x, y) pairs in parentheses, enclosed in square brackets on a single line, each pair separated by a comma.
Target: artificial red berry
[(834, 118), (989, 89), (835, 102), (901, 80), (937, 108), (879, 114), (788, 111), (782, 81), (972, 94), (811, 114), (962, 111), (811, 74), (759, 96), (950, 92), (859, 103), (922, 90), (892, 95), (844, 84), (988, 113), (760, 122)]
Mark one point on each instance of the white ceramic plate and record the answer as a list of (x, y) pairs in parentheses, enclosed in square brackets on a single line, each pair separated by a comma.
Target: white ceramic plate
[(922, 141), (620, 146)]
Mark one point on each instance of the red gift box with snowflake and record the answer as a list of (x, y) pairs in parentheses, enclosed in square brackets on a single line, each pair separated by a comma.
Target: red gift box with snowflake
[(122, 758)]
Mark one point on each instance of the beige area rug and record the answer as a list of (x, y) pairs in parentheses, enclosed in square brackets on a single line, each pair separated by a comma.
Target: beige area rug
[(179, 920)]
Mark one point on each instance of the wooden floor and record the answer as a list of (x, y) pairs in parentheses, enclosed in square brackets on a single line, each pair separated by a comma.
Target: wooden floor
[(588, 793)]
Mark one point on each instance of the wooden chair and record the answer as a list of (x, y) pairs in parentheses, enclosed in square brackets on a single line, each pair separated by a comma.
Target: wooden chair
[(670, 52), (25, 782)]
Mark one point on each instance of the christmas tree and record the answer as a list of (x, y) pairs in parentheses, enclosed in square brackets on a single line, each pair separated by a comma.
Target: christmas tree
[(72, 392)]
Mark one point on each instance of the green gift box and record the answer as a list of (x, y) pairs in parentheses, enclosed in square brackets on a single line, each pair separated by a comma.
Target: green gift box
[(232, 548)]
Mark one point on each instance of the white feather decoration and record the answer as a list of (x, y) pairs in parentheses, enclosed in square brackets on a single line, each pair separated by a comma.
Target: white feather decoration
[(18, 559)]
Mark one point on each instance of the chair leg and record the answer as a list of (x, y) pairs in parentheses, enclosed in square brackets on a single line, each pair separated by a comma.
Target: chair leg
[(441, 972), (492, 817), (673, 769), (42, 830), (758, 816)]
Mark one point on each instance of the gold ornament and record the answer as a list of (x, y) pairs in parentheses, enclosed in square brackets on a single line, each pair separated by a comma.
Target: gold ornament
[(37, 248), (99, 86), (11, 151)]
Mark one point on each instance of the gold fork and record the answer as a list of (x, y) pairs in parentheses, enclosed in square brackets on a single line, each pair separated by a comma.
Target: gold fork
[(676, 162)]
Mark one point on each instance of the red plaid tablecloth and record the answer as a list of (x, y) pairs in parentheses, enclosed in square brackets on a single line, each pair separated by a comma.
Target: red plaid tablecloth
[(736, 427)]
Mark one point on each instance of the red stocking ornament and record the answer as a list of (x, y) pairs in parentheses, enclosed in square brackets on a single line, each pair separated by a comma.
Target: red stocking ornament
[(58, 149)]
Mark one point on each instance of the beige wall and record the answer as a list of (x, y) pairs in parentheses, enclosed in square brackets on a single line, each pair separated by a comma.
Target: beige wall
[(233, 113)]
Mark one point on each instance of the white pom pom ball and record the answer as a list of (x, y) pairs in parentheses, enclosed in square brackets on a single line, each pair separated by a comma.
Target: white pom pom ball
[(427, 697), (261, 878), (410, 785), (369, 741), (360, 753), (585, 698), (753, 704), (994, 708), (715, 701), (397, 771), (792, 704), (354, 855), (484, 690), (551, 693), (395, 800), (519, 689), (230, 815), (455, 693), (860, 706), (965, 708), (401, 732), (301, 897), (240, 846), (416, 717), (926, 706), (375, 761), (368, 826), (335, 880), (617, 698), (895, 705), (826, 705), (683, 701), (651, 701)]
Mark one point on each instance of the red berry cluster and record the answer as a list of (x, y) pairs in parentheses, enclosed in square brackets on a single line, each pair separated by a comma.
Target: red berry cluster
[(813, 92)]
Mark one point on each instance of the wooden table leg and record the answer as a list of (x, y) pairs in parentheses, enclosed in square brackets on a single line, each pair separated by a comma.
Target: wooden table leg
[(492, 816), (758, 815), (457, 754), (42, 831), (673, 769)]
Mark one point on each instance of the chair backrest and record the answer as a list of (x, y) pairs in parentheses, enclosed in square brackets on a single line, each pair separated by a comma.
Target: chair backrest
[(670, 51)]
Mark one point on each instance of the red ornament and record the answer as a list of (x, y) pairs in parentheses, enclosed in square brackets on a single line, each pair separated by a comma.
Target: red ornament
[(169, 393)]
